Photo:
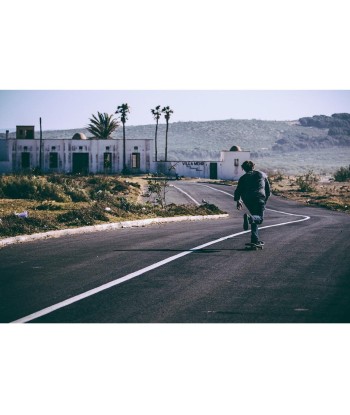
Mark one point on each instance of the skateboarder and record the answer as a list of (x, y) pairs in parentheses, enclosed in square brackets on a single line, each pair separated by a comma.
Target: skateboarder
[(254, 190)]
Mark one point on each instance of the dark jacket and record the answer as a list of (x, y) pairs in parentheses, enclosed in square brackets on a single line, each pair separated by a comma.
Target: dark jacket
[(252, 187)]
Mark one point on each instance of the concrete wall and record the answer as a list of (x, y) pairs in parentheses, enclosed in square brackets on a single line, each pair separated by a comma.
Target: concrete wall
[(92, 153), (227, 168), (5, 161), (185, 168), (230, 164), (66, 149)]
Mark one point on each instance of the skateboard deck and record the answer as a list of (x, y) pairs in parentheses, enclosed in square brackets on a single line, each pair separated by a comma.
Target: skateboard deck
[(253, 247)]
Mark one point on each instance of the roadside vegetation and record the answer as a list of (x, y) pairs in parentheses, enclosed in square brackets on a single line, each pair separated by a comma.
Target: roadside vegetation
[(332, 193), (342, 175), (39, 203)]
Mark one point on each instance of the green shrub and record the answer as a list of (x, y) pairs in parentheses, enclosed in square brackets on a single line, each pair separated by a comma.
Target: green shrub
[(76, 194), (342, 175), (209, 208), (31, 187), (277, 177), (12, 225), (120, 187), (306, 182), (102, 196), (83, 217), (61, 188), (134, 184), (59, 179), (188, 210), (48, 205), (101, 183)]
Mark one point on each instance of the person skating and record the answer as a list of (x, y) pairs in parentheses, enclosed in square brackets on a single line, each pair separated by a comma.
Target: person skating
[(254, 190)]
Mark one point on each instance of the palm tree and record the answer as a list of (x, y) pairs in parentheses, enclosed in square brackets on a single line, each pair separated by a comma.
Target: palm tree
[(123, 110), (156, 114), (102, 126), (167, 111)]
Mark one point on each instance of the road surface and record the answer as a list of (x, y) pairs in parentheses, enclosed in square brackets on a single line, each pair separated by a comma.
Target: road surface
[(187, 272)]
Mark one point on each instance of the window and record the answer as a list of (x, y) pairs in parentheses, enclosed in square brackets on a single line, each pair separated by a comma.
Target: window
[(136, 148), (25, 132), (53, 160), (236, 162), (30, 134), (135, 160)]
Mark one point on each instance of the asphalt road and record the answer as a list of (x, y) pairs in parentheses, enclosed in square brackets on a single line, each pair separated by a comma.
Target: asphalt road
[(187, 272)]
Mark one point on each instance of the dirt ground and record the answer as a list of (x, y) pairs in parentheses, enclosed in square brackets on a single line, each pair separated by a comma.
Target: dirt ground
[(325, 192)]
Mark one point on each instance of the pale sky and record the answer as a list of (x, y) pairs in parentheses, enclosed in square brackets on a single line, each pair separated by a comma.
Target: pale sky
[(65, 109)]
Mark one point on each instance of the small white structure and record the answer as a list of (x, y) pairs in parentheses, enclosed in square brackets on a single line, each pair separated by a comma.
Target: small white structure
[(227, 168)]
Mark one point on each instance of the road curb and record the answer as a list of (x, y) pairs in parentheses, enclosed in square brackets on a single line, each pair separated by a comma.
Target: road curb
[(104, 227)]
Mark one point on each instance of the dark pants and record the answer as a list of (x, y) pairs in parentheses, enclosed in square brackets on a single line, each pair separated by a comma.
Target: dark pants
[(256, 210)]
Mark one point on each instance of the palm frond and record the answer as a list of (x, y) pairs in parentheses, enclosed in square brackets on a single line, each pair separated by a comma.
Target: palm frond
[(102, 125), (123, 110)]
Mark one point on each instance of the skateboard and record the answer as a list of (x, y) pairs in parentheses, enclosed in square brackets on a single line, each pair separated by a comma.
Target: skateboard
[(253, 247)]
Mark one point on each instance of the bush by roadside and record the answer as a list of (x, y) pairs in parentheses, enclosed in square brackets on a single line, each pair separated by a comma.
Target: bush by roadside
[(311, 190), (64, 201), (342, 175)]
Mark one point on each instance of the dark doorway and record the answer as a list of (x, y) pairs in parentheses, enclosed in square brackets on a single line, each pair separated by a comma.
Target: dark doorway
[(81, 163), (25, 160), (135, 161), (53, 161), (213, 170), (107, 162)]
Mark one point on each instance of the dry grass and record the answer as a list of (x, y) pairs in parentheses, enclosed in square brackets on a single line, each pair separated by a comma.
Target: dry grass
[(106, 199), (329, 194)]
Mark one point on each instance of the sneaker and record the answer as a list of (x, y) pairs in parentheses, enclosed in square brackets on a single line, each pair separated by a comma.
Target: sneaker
[(245, 222)]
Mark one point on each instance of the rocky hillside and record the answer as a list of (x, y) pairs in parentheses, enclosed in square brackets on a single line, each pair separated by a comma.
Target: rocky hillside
[(336, 132)]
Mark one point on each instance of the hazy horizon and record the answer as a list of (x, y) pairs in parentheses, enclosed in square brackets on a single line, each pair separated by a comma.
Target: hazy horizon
[(71, 109), (13, 128)]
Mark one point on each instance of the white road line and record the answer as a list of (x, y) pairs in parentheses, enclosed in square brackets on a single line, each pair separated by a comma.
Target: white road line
[(189, 196), (142, 271), (118, 281), (271, 210), (213, 188)]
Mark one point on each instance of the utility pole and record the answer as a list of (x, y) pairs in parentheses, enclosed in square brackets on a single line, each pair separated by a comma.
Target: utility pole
[(40, 148)]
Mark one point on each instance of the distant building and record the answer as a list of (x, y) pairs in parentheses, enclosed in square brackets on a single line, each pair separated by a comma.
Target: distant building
[(76, 155), (83, 155), (227, 168)]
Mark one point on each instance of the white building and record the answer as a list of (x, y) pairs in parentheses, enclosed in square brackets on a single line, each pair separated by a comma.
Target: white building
[(227, 168), (78, 155), (82, 155)]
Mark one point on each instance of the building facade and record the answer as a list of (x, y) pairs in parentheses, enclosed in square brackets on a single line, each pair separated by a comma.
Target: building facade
[(78, 155), (228, 167), (81, 155)]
